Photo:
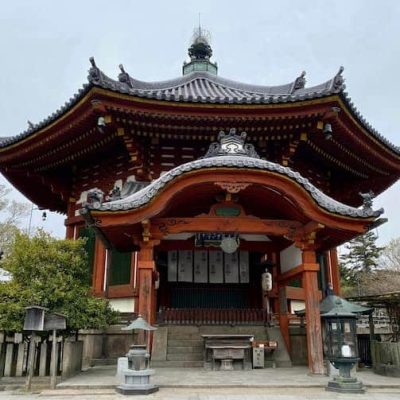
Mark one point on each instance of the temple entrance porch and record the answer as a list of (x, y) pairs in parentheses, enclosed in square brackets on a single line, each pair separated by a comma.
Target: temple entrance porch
[(299, 237), (181, 301)]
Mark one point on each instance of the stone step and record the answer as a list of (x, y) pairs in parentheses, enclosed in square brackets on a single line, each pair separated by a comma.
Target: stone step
[(184, 349), (177, 364), (103, 361), (184, 343), (185, 357)]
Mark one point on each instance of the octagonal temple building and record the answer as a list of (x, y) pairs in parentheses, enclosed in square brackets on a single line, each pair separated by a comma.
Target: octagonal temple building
[(191, 190)]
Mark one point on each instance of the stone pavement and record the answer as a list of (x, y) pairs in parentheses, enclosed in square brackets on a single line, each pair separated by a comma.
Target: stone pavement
[(103, 377), (197, 384), (208, 394)]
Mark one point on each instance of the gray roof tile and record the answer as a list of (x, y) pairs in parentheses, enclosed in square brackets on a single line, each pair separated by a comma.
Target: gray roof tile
[(145, 195), (203, 87)]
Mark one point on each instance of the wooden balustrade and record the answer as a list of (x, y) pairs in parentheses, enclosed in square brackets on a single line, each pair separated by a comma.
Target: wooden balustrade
[(213, 316)]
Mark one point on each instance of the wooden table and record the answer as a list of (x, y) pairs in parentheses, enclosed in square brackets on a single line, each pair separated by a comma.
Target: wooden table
[(227, 349)]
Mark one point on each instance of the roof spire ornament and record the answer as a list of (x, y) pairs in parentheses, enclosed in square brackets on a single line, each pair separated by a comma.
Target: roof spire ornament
[(200, 52), (200, 48)]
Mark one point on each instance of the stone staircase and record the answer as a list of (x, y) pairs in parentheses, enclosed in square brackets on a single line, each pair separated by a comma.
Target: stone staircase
[(181, 346), (184, 348)]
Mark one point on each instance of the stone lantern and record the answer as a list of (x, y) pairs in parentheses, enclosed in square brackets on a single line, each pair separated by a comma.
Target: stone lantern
[(137, 374), (340, 346)]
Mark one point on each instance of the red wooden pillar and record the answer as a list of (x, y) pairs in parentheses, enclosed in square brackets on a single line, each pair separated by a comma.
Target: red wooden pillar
[(313, 319), (334, 264), (69, 233), (146, 268), (99, 267), (284, 316)]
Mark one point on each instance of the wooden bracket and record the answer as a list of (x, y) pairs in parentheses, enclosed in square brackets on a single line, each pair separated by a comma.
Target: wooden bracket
[(232, 187), (146, 235)]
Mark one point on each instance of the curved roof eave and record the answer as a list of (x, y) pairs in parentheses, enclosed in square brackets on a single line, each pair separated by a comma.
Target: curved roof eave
[(366, 125), (33, 128), (148, 193)]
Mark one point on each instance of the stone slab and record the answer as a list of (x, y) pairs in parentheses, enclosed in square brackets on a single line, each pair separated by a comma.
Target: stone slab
[(160, 341), (134, 391), (280, 355), (122, 364)]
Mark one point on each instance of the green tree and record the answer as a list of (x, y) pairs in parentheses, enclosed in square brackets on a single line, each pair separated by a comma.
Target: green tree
[(50, 273), (361, 258), (11, 214)]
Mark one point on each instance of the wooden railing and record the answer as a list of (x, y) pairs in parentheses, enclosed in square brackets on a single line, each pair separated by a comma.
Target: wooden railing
[(213, 316)]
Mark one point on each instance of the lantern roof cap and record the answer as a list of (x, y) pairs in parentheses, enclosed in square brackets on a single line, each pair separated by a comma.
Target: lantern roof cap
[(139, 323), (333, 302), (334, 305), (36, 308)]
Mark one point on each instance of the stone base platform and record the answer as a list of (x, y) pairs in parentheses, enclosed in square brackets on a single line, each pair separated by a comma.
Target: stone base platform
[(295, 377)]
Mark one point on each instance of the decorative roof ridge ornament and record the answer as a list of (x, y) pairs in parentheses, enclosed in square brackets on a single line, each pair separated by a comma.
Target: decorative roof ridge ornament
[(300, 82), (124, 77), (368, 201), (231, 144), (94, 71), (338, 80), (95, 198)]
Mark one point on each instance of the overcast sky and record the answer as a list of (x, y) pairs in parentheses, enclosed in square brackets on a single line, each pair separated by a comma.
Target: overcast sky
[(45, 47)]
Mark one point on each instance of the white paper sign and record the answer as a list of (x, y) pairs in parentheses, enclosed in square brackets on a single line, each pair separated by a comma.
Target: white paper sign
[(185, 266), (231, 267), (201, 266), (172, 266), (244, 267), (216, 264)]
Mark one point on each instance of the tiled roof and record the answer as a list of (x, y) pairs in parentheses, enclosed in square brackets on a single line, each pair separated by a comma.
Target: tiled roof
[(145, 195), (203, 87)]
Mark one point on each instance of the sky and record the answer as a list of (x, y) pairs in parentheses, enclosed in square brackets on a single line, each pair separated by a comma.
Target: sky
[(46, 45)]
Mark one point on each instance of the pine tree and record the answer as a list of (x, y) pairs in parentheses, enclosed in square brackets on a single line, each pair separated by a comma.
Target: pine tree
[(362, 258)]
